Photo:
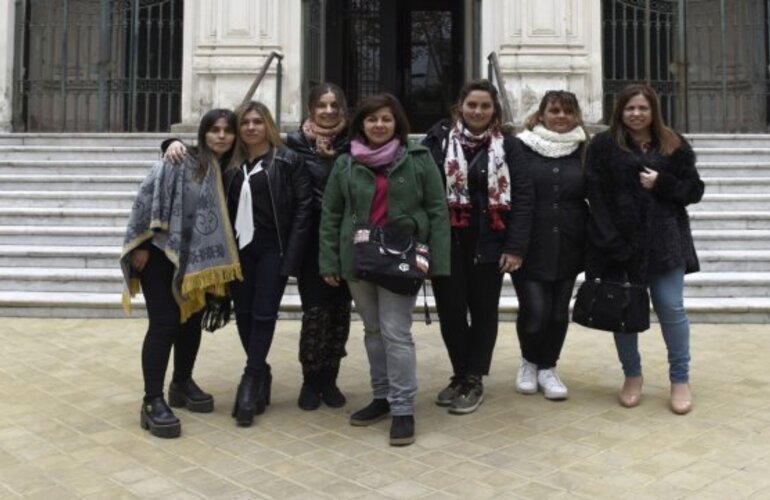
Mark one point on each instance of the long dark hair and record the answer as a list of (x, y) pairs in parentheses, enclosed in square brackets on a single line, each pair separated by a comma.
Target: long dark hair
[(371, 104), (668, 139), (203, 152), (483, 85), (320, 90)]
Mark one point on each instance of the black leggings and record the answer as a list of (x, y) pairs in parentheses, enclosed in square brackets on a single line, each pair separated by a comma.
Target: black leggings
[(543, 318), (165, 330)]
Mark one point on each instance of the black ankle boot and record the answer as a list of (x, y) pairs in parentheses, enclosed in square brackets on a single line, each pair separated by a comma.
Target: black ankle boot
[(245, 401), (402, 430), (156, 417), (330, 393), (310, 394), (187, 393), (263, 388), (373, 412)]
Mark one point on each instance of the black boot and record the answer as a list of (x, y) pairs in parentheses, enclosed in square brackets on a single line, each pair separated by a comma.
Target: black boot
[(402, 430), (188, 394), (330, 393), (156, 417), (310, 393), (245, 401), (373, 412), (264, 387)]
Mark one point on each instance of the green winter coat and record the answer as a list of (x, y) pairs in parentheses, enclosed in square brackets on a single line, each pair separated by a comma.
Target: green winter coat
[(415, 188)]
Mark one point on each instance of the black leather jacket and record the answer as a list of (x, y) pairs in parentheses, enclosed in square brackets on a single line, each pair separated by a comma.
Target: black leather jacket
[(317, 166), (290, 197)]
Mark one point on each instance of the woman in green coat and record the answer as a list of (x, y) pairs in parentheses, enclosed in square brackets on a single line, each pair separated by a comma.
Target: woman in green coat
[(392, 180)]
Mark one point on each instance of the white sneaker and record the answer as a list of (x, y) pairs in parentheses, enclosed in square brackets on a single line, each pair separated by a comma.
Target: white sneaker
[(552, 386), (526, 378)]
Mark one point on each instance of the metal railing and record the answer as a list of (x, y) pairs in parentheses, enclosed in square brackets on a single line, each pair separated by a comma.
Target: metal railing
[(278, 83), (495, 76)]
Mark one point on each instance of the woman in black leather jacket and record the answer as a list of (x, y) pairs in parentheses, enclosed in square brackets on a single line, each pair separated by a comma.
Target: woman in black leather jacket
[(490, 204), (325, 309)]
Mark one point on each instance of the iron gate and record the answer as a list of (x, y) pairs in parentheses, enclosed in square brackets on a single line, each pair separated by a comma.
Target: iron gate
[(98, 65), (707, 59)]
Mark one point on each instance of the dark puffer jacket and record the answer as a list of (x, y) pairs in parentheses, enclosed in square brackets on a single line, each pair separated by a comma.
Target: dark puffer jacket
[(317, 166), (514, 239), (644, 231), (291, 198)]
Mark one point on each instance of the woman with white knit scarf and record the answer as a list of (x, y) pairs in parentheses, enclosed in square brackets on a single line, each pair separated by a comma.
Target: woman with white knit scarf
[(550, 152), (490, 207)]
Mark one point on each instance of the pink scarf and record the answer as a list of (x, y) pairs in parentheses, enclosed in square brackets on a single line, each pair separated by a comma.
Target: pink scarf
[(384, 155), (323, 138)]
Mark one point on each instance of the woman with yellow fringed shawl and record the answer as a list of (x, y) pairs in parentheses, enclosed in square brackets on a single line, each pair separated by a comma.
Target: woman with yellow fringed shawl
[(180, 247)]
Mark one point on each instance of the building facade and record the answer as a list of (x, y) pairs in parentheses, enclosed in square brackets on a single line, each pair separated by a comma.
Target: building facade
[(144, 65)]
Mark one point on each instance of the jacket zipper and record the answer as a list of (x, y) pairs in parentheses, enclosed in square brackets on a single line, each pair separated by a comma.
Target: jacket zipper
[(272, 204)]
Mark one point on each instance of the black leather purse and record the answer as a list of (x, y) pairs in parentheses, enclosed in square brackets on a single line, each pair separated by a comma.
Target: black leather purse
[(387, 256), (614, 306)]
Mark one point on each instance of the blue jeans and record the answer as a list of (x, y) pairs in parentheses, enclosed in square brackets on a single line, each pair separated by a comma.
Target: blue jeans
[(387, 318), (666, 292)]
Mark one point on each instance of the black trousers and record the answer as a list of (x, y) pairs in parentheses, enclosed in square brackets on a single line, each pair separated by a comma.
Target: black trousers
[(470, 289), (165, 330), (258, 297), (543, 318), (325, 314)]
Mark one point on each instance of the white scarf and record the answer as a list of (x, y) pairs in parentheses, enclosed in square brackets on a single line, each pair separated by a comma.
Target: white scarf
[(244, 217), (553, 144)]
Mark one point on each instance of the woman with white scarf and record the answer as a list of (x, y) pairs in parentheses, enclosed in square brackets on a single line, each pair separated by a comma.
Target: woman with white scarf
[(550, 152), (490, 207)]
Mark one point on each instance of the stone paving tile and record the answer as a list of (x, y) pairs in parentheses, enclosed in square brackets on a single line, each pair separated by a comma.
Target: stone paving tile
[(71, 396)]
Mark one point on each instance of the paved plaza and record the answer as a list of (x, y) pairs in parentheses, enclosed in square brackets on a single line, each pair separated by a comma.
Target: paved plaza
[(71, 393)]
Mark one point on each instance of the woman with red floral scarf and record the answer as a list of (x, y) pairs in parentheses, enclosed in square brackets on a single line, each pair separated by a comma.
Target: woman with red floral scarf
[(490, 206)]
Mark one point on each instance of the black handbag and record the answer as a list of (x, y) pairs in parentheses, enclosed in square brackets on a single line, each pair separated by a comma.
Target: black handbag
[(614, 306), (387, 256)]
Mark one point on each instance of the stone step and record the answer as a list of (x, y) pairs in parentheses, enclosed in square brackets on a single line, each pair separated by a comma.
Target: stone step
[(102, 217), (82, 166), (12, 182), (741, 261), (737, 185), (49, 256), (68, 199), (79, 152), (731, 239), (140, 139), (108, 305), (728, 140), (734, 154), (724, 219), (62, 235), (731, 202), (733, 169)]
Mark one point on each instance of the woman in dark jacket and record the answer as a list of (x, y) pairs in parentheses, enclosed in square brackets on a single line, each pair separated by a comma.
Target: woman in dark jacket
[(550, 152), (640, 177), (269, 197), (325, 309), (490, 205)]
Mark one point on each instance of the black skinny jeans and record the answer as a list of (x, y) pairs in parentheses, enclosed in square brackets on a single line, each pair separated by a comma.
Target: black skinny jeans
[(258, 297), (165, 331), (543, 318), (471, 288)]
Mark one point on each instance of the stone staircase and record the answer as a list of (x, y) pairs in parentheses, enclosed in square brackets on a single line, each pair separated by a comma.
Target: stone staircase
[(64, 201)]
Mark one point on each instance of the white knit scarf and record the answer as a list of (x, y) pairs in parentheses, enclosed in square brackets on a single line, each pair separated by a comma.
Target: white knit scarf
[(553, 144)]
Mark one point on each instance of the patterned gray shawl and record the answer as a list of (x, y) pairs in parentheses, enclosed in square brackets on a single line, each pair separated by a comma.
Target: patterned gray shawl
[(188, 221)]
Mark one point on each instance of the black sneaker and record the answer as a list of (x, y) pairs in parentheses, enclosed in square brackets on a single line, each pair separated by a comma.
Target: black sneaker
[(402, 430), (188, 394), (373, 412), (450, 392), (470, 398)]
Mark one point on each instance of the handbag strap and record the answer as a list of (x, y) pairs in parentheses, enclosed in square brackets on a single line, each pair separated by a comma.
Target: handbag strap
[(349, 170)]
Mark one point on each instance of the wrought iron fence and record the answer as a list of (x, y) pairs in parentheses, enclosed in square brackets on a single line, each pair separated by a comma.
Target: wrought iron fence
[(98, 65), (707, 59)]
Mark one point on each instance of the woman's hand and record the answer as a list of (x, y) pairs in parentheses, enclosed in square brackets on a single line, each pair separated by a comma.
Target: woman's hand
[(648, 178), (139, 259), (510, 262), (176, 152), (332, 280)]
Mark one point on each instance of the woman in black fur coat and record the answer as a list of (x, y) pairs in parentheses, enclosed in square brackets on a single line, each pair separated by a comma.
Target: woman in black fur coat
[(640, 177)]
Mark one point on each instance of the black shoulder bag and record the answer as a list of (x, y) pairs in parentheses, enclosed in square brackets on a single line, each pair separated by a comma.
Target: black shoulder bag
[(614, 306)]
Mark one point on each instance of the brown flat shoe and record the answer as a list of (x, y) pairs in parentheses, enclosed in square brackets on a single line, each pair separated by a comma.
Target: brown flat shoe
[(631, 393), (681, 398)]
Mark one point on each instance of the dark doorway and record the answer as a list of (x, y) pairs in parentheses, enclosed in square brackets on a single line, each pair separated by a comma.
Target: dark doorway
[(411, 48)]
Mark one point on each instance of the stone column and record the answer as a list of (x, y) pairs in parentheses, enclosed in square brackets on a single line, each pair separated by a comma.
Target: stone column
[(225, 45), (544, 45), (7, 28)]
